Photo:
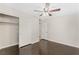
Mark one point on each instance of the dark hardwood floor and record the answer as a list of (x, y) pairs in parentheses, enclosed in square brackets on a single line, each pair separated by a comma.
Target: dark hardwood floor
[(12, 50), (30, 49), (45, 47)]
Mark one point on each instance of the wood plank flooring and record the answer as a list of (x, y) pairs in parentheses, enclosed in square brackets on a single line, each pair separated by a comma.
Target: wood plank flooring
[(45, 47), (12, 50)]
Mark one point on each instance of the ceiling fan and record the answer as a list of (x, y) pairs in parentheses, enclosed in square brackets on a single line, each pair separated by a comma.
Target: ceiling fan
[(46, 10)]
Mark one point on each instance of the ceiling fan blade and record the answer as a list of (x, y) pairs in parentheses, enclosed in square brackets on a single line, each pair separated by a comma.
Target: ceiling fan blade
[(38, 11), (55, 10)]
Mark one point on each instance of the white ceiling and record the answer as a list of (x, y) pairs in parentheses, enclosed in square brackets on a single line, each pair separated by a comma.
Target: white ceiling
[(30, 7), (25, 7)]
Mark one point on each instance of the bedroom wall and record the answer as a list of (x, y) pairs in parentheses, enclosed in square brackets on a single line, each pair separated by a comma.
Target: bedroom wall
[(63, 26), (28, 30)]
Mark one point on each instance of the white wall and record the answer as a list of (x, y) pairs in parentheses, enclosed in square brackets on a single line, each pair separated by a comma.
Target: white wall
[(63, 26), (29, 30), (29, 24)]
